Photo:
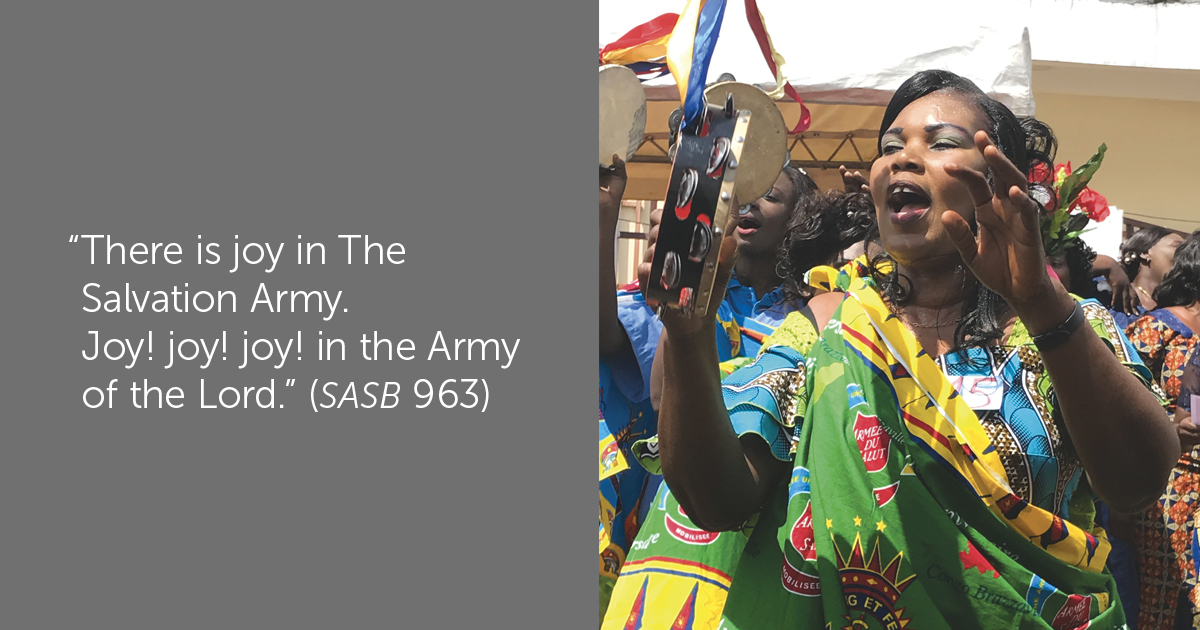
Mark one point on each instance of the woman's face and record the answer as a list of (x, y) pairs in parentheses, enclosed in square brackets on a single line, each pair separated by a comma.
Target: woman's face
[(1059, 264), (761, 230), (1162, 255), (909, 183)]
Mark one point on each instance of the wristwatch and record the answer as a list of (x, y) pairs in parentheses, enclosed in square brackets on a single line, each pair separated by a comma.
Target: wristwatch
[(1059, 335)]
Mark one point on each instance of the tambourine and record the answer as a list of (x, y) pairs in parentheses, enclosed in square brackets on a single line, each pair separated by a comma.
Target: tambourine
[(765, 152), (707, 163), (622, 113)]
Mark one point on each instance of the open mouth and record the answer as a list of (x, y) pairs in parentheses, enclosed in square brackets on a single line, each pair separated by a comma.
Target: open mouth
[(907, 201), (747, 225)]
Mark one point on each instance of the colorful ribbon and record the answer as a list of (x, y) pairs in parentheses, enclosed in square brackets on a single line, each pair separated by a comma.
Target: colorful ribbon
[(644, 48), (689, 52), (775, 62), (683, 45)]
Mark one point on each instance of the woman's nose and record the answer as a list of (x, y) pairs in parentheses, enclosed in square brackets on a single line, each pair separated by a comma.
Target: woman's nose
[(906, 161)]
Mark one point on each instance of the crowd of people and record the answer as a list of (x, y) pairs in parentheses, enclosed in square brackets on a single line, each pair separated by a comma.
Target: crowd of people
[(903, 412)]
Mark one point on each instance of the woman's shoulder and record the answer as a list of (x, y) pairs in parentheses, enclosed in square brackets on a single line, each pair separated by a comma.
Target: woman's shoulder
[(1163, 320), (797, 331), (823, 306)]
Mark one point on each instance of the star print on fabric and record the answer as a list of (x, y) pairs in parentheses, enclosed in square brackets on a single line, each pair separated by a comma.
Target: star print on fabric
[(857, 522), (880, 526)]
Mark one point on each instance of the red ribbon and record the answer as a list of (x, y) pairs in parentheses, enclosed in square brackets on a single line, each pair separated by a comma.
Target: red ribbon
[(760, 33), (657, 28)]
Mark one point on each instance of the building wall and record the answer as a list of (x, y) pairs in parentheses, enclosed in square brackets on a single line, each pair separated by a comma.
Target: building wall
[(1151, 148)]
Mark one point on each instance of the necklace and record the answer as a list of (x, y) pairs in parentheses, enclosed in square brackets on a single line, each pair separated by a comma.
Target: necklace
[(1143, 291), (908, 320)]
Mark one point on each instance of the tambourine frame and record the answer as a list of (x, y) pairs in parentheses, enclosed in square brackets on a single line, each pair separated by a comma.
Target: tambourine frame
[(766, 138), (709, 205), (622, 113)]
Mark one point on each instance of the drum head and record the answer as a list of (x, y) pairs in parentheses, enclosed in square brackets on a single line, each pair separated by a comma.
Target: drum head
[(622, 113), (765, 151)]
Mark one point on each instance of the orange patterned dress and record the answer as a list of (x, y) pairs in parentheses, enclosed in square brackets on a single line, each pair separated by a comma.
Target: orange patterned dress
[(1166, 570)]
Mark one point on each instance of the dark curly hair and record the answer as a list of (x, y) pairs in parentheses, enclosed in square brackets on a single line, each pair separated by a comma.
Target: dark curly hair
[(824, 225), (1139, 244), (1181, 285), (1026, 142), (802, 185), (1080, 257)]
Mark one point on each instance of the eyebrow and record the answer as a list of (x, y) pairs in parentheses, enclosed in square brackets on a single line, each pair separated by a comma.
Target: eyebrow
[(928, 129), (940, 126)]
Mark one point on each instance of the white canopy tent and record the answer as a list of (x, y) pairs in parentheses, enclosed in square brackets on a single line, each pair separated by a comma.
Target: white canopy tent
[(844, 60)]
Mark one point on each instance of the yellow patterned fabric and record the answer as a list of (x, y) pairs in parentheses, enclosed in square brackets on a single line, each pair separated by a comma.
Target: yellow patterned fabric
[(941, 420)]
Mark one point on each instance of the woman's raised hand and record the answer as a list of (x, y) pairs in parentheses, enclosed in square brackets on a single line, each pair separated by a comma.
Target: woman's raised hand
[(854, 182), (676, 323), (1006, 255), (612, 188)]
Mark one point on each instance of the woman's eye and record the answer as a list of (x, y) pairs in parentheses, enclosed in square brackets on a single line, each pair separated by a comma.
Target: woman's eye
[(771, 198), (892, 147)]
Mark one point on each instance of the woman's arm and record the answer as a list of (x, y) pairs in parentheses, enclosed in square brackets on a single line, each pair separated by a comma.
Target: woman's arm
[(1189, 433), (1124, 296), (1120, 430), (613, 339), (719, 479), (1121, 433)]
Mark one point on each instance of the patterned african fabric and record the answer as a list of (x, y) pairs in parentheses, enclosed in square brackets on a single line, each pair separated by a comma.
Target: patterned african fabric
[(744, 320), (1189, 400), (900, 511), (677, 573), (1122, 563), (630, 488), (1189, 383), (1166, 569), (625, 416), (1164, 342), (1164, 531), (1123, 321), (612, 461)]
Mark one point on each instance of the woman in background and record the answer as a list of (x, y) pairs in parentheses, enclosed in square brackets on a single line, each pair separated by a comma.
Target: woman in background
[(671, 556), (1163, 337), (1074, 268), (1146, 256), (629, 336), (1189, 435)]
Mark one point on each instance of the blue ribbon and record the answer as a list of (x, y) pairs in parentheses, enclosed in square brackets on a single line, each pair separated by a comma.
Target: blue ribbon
[(708, 27)]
